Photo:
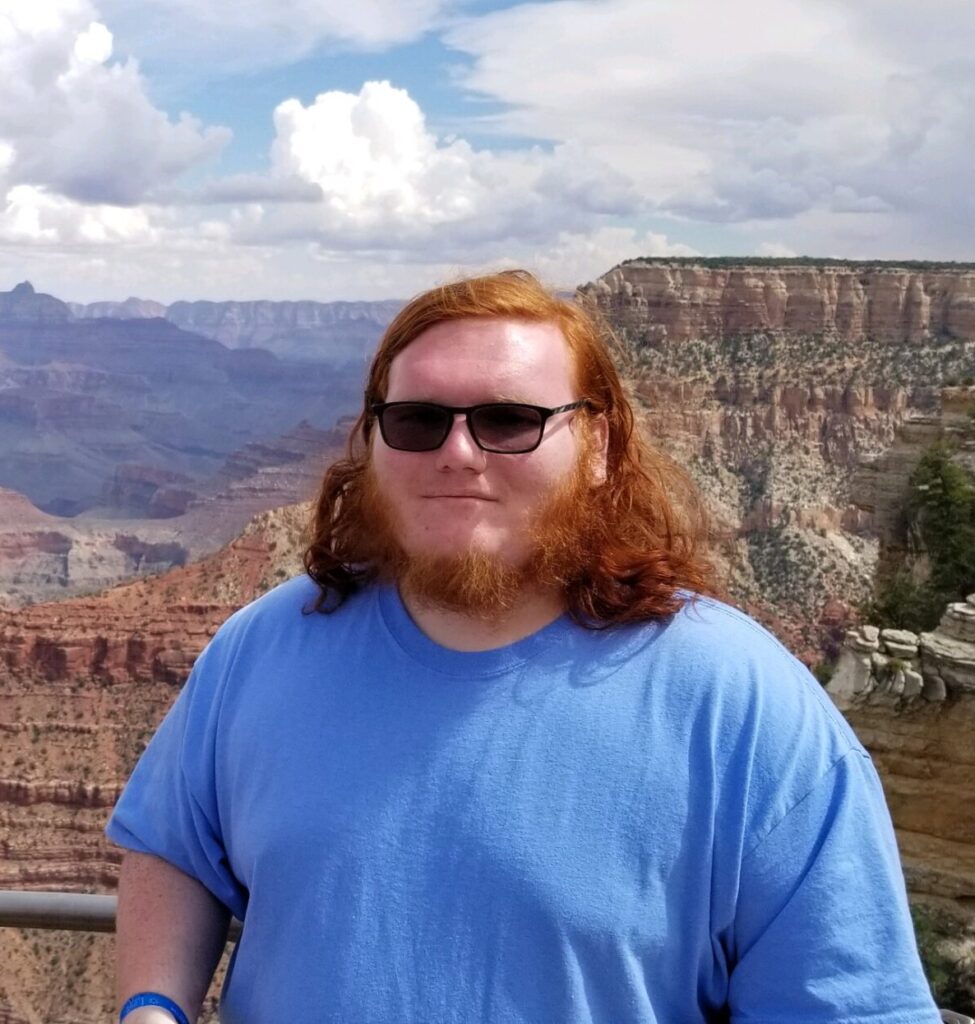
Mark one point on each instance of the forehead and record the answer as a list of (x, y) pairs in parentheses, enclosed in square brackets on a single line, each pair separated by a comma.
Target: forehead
[(485, 358)]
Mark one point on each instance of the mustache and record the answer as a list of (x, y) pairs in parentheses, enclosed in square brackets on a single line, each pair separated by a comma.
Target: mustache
[(561, 534)]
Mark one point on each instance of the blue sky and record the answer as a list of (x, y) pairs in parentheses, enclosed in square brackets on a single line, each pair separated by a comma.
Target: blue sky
[(314, 149)]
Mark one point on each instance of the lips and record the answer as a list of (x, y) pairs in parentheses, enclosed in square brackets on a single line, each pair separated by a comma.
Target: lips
[(460, 497)]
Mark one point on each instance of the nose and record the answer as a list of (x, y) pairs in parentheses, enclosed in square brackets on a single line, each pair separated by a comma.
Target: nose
[(459, 450)]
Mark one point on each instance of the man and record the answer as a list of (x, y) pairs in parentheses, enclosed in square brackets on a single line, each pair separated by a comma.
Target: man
[(498, 758)]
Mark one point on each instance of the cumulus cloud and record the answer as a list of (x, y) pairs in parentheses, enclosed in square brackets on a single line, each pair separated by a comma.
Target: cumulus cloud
[(76, 124), (387, 181), (374, 159), (31, 215)]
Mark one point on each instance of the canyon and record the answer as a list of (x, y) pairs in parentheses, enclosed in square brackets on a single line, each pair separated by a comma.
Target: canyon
[(799, 398), (81, 400), (778, 385), (318, 331), (45, 557)]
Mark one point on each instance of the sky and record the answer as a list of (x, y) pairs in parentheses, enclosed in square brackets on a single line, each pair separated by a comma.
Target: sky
[(363, 149)]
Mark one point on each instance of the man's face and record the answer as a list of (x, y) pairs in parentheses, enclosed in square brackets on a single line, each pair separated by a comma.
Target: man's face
[(459, 500)]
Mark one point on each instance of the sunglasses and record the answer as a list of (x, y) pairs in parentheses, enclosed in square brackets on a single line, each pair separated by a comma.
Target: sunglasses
[(506, 428)]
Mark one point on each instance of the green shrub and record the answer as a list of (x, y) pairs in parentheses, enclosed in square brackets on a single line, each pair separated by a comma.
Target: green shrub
[(952, 981), (940, 523)]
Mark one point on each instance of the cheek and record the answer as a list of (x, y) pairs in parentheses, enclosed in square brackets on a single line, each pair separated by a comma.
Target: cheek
[(393, 470)]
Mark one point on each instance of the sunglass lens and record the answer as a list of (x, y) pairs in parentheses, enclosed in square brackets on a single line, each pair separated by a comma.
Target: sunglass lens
[(414, 427), (507, 427)]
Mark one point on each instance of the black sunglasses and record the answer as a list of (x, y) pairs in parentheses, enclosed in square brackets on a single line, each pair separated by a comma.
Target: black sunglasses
[(507, 428)]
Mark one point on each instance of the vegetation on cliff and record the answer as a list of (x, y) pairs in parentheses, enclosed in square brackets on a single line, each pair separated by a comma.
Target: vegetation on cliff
[(731, 262), (944, 941), (938, 566)]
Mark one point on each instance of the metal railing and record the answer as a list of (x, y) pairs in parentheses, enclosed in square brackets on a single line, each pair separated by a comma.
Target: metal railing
[(62, 911), (67, 911), (82, 912)]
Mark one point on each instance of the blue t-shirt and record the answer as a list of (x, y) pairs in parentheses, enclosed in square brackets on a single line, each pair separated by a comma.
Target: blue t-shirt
[(658, 823)]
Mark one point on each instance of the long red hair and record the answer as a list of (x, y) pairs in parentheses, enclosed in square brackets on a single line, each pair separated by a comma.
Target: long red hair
[(650, 530)]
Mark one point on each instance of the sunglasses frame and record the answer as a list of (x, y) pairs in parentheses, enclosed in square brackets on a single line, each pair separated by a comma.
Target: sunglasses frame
[(378, 408)]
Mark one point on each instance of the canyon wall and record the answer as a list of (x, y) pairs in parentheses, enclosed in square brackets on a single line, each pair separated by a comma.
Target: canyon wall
[(293, 330), (679, 301), (83, 685), (777, 386), (170, 521)]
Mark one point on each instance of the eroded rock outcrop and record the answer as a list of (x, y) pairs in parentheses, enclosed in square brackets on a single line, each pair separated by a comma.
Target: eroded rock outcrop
[(911, 699), (774, 384), (45, 557), (85, 682), (676, 301)]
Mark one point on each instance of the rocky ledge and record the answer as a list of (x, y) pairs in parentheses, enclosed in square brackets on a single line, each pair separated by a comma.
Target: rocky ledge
[(898, 665), (686, 301)]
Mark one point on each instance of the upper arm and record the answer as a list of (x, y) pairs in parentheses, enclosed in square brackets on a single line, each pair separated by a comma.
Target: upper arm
[(822, 928)]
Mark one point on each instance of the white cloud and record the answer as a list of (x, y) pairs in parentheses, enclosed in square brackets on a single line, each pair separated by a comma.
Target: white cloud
[(374, 159), (775, 250), (388, 182), (200, 37), (75, 123), (767, 111), (31, 215)]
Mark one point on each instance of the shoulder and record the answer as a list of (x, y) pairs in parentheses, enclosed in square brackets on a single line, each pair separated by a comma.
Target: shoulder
[(280, 622), (289, 607), (761, 702), (285, 603), (710, 629), (717, 643)]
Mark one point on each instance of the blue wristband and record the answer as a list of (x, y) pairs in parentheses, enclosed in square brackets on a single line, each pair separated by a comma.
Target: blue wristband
[(153, 999)]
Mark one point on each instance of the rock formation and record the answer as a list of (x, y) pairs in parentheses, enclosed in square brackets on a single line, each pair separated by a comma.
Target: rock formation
[(330, 331), (23, 305), (83, 684), (45, 557), (679, 301), (774, 384), (80, 400), (911, 700)]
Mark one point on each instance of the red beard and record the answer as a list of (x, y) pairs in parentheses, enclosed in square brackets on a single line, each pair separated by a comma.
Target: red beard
[(483, 585)]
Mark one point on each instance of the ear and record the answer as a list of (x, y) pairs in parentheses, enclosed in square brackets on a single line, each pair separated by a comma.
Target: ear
[(599, 429)]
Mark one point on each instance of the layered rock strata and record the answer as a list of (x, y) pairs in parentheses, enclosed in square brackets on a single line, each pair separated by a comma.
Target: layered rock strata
[(774, 385), (45, 557), (681, 302), (83, 685), (911, 699)]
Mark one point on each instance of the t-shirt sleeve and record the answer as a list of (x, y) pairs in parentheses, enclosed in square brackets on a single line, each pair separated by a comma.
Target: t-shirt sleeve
[(822, 930), (170, 805)]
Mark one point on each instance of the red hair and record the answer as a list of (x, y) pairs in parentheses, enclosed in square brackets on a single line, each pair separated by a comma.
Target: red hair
[(649, 526)]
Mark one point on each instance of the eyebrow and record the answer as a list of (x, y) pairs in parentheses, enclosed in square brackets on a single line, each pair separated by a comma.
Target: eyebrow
[(519, 400)]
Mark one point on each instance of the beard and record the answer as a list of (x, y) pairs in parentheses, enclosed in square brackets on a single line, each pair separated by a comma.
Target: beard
[(480, 584)]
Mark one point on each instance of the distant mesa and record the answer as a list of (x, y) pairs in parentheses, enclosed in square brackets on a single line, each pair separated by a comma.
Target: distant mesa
[(82, 399), (329, 331), (23, 305)]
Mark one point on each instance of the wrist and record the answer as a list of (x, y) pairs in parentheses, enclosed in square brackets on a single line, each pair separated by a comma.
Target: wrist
[(151, 1008), (149, 1015)]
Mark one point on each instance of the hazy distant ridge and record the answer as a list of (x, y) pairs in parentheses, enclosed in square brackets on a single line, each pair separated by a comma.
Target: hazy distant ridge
[(304, 330)]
